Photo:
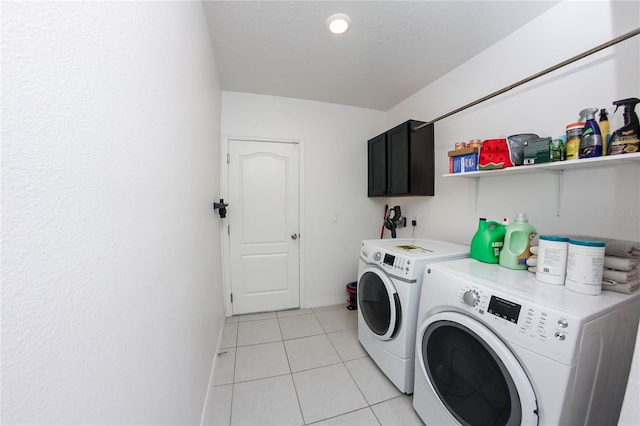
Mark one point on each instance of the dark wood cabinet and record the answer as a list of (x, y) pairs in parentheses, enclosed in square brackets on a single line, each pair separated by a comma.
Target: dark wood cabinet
[(401, 161), (377, 165)]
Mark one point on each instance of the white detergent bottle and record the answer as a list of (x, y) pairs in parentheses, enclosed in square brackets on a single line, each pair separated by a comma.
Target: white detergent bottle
[(517, 241)]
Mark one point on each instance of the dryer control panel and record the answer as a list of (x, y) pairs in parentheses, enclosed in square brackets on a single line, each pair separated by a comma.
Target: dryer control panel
[(520, 322), (393, 264), (405, 258), (396, 265)]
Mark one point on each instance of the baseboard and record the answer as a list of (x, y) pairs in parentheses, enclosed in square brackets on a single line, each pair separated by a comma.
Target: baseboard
[(212, 375), (329, 302)]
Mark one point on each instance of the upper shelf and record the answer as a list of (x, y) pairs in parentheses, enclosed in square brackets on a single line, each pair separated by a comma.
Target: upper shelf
[(606, 161)]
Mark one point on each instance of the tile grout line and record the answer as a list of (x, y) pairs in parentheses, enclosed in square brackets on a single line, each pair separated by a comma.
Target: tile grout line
[(286, 354), (283, 340), (343, 362), (363, 396), (233, 380)]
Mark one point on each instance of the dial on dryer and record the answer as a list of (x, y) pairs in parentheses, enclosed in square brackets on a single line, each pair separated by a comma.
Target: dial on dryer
[(471, 297)]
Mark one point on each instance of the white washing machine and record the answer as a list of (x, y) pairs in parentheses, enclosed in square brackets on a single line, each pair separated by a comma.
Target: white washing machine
[(389, 281), (495, 346)]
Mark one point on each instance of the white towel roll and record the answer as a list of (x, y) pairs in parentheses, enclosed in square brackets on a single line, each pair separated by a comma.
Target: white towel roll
[(619, 276), (626, 288), (620, 263)]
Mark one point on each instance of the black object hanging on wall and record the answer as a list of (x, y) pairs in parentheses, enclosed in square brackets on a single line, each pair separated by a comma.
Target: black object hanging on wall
[(221, 207)]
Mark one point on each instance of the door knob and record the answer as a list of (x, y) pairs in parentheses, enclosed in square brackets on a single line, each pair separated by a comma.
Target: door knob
[(294, 236)]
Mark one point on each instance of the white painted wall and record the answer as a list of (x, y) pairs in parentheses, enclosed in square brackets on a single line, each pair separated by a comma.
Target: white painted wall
[(111, 293), (592, 200), (334, 181)]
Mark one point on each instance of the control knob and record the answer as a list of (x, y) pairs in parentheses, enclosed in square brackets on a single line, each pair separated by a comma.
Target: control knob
[(471, 297), (377, 256)]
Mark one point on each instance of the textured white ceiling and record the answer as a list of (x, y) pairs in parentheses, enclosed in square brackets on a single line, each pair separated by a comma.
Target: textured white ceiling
[(392, 49)]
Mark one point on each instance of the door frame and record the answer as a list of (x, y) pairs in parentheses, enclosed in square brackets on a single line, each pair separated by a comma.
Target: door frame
[(224, 193)]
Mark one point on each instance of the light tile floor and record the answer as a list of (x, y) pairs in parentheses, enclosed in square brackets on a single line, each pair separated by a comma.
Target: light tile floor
[(302, 367)]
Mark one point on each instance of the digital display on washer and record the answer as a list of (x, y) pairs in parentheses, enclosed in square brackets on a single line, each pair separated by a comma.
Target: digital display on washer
[(504, 309), (389, 259)]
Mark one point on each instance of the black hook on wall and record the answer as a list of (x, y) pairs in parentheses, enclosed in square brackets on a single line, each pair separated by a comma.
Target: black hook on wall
[(221, 207)]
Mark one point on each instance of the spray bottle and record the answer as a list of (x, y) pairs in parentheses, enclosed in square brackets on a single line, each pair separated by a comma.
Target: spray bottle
[(604, 130), (591, 141), (627, 138)]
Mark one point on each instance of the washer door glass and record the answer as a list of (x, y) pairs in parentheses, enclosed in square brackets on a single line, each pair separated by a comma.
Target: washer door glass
[(378, 303), (474, 374)]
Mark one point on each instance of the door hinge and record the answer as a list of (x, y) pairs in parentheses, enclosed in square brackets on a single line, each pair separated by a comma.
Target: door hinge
[(228, 158), (231, 297)]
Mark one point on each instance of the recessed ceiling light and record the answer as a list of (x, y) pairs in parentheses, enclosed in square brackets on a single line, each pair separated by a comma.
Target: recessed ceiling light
[(338, 23)]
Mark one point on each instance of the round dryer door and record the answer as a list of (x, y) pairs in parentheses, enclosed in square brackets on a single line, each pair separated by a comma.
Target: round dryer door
[(473, 373), (378, 303)]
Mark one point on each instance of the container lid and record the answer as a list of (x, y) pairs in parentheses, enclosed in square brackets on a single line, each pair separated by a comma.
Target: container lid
[(554, 238), (576, 125), (463, 151), (587, 243), (521, 217)]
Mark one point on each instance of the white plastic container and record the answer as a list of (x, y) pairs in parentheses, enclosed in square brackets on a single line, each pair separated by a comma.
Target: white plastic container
[(552, 259), (585, 263)]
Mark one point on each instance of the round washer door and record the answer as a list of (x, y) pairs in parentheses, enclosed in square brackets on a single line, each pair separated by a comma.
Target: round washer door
[(473, 373), (378, 303)]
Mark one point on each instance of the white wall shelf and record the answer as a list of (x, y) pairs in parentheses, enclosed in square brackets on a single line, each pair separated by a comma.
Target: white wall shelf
[(557, 167)]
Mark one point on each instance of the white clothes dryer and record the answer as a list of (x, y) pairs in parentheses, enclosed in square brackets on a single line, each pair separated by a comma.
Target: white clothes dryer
[(389, 282), (496, 346)]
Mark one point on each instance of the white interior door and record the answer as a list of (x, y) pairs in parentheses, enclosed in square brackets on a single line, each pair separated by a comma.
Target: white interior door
[(263, 226)]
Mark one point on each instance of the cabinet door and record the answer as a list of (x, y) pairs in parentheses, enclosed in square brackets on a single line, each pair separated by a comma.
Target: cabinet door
[(377, 152), (398, 152), (422, 160)]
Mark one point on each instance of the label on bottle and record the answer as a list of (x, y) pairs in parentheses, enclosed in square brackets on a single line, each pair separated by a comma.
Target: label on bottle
[(590, 143), (522, 258), (627, 143), (497, 246), (574, 135)]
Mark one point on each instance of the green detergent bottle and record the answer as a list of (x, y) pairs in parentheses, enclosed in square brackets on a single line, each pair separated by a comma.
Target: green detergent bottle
[(487, 241), (517, 242)]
